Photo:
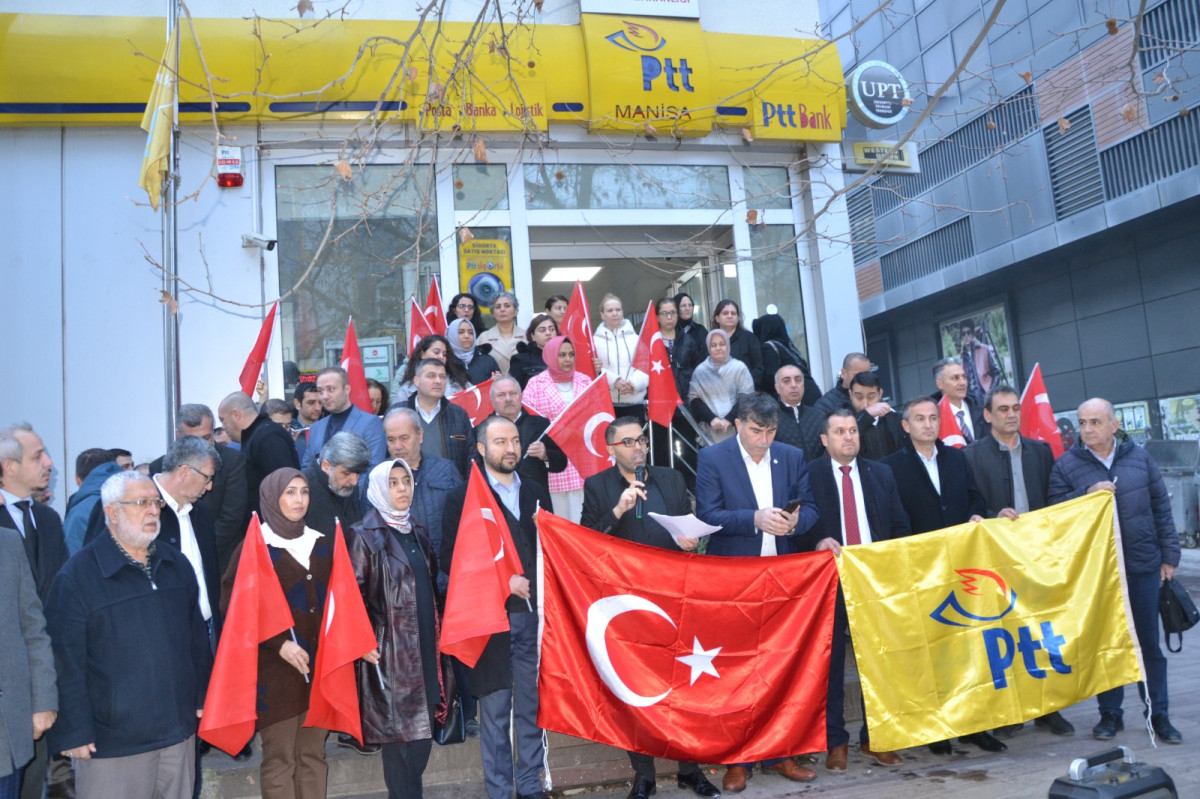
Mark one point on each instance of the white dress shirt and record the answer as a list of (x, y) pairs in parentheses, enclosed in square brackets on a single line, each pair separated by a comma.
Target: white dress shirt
[(860, 505), (188, 545), (964, 421), (1108, 462), (19, 518), (931, 468), (764, 492)]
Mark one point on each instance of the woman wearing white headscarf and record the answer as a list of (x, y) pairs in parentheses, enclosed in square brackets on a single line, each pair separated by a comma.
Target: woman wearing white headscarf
[(717, 384), (475, 358), (396, 571)]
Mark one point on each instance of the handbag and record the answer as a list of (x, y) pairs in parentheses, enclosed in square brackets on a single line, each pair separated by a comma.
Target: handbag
[(1177, 610), (454, 729)]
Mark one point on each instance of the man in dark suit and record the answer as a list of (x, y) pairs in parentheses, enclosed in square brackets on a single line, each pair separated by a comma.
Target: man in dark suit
[(951, 382), (745, 485), (226, 497), (858, 505), (839, 395), (938, 491), (799, 424), (447, 428), (25, 466), (333, 387), (609, 505), (879, 430), (265, 444), (505, 677), (1013, 474), (539, 454)]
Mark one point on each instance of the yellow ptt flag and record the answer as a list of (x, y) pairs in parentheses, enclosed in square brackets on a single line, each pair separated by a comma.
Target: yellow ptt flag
[(987, 624), (158, 120)]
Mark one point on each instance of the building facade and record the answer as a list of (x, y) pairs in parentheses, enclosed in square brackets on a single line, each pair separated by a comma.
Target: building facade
[(686, 146), (1053, 218)]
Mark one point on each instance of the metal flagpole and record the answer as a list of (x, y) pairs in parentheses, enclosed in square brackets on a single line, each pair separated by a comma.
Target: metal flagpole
[(170, 254), (671, 441)]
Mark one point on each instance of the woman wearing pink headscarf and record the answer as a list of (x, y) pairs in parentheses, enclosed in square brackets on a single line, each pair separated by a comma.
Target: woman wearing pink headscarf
[(548, 394)]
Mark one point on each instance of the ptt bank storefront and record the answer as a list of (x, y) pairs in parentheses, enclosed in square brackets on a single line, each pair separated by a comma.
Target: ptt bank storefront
[(644, 146)]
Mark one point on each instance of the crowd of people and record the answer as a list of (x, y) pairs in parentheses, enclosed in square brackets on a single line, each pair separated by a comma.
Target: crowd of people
[(112, 615)]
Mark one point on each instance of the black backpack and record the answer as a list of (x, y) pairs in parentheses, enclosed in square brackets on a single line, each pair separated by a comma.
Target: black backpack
[(1177, 610)]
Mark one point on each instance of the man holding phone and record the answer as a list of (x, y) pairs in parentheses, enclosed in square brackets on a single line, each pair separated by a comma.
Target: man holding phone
[(757, 490)]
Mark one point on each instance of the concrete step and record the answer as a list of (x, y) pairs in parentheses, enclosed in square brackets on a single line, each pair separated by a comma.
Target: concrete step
[(457, 771)]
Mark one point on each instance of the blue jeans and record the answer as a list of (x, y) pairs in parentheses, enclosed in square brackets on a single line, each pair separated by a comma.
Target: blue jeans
[(1143, 602)]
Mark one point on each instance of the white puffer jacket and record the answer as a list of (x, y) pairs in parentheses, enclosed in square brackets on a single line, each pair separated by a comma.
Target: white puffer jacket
[(615, 349)]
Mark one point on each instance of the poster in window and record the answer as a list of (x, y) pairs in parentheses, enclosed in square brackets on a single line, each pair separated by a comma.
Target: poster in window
[(1180, 418), (1135, 420), (485, 270), (982, 342)]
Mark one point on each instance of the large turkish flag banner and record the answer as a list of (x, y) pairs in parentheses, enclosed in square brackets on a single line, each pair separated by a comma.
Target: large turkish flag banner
[(682, 656), (579, 429)]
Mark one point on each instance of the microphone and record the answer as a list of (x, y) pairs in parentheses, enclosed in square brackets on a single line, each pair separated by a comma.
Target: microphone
[(639, 474)]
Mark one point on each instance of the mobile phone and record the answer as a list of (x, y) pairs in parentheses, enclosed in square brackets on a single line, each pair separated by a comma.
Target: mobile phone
[(792, 506)]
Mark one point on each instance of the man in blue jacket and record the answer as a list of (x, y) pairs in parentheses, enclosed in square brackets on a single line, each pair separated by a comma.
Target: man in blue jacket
[(333, 387), (1148, 538), (132, 654)]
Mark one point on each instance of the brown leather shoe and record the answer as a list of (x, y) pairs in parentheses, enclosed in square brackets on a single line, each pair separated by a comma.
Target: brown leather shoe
[(882, 758), (735, 778), (836, 759), (790, 769)]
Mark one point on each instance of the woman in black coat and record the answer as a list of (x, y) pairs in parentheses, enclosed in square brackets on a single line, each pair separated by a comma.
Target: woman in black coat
[(480, 366), (528, 360), (401, 694), (743, 344), (688, 323), (778, 351)]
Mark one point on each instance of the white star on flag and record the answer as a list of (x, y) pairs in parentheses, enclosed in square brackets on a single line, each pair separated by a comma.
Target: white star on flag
[(700, 660), (656, 367)]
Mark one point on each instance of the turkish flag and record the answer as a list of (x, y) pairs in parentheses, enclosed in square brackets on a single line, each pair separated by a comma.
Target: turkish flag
[(257, 611), (948, 430), (579, 429), (258, 355), (346, 635), (476, 401), (419, 326), (577, 326), (485, 559), (434, 313), (683, 656), (651, 357), (1037, 417), (352, 363)]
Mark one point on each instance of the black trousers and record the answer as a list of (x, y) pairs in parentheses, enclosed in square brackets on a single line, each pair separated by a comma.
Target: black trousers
[(403, 766), (643, 766)]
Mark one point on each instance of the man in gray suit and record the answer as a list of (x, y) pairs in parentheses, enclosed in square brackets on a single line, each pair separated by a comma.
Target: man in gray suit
[(28, 696)]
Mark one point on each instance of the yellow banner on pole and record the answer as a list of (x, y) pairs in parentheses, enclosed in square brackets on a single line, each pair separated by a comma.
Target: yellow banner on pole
[(158, 120), (982, 625)]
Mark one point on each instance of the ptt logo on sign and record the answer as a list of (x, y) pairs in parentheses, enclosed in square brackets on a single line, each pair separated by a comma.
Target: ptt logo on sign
[(799, 116), (983, 600), (644, 39)]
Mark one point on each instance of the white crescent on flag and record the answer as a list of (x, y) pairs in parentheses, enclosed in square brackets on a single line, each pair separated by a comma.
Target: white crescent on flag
[(589, 431)]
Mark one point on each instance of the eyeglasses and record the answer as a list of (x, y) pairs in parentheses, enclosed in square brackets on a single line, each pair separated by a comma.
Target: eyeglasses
[(634, 442), (208, 478), (668, 313), (144, 504), (465, 306)]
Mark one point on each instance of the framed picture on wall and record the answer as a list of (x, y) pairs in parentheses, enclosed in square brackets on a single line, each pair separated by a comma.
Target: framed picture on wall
[(1181, 418), (983, 342)]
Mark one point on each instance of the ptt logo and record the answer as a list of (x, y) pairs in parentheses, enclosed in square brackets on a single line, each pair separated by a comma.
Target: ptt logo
[(986, 600), (644, 39)]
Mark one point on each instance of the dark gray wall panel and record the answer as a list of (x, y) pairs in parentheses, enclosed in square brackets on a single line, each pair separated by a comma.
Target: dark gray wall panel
[(1120, 382), (1104, 287), (1113, 337), (1057, 348), (1176, 373), (1174, 323)]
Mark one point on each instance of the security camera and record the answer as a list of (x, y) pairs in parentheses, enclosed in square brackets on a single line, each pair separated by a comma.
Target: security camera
[(257, 240)]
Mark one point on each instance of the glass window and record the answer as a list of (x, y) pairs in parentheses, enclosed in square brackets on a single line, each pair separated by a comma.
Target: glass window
[(767, 187), (381, 248), (552, 187), (480, 187), (777, 278)]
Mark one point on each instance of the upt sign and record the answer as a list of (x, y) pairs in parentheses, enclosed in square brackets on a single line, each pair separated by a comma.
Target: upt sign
[(653, 68), (1001, 652)]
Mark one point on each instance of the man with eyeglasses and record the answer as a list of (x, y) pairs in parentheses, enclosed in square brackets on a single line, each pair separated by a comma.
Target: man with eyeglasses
[(610, 505), (132, 653)]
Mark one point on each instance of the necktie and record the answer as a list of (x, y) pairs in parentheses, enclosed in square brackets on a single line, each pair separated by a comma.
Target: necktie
[(796, 413), (962, 425), (849, 509), (30, 530)]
